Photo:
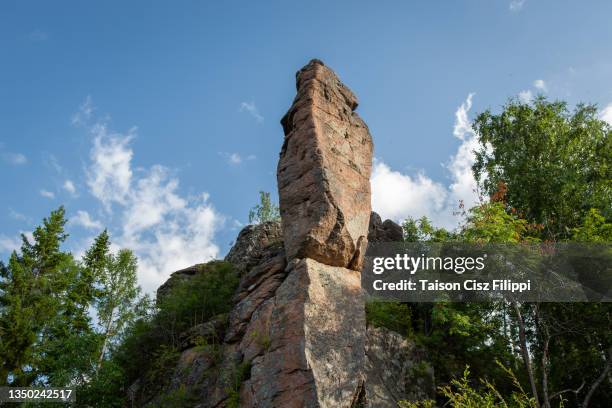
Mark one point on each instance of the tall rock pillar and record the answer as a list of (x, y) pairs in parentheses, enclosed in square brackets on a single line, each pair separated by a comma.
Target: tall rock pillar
[(316, 320), (324, 172)]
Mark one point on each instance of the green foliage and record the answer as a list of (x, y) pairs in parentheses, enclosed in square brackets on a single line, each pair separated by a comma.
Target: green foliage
[(547, 172), (460, 393), (116, 294), (43, 310), (594, 228), (391, 315), (195, 301), (555, 163), (489, 222), (148, 350), (106, 389), (237, 376), (423, 230), (178, 398), (265, 211)]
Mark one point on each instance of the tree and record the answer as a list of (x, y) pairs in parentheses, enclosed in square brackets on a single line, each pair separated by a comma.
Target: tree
[(547, 171), (118, 290), (31, 290), (555, 163), (265, 211)]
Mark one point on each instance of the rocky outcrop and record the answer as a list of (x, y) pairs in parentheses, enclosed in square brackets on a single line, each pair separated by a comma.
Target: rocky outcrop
[(251, 243), (387, 231), (296, 335), (324, 172)]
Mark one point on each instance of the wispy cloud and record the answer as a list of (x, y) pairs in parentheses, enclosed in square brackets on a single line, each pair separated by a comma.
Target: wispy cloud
[(83, 219), (540, 85), (8, 244), (166, 230), (83, 114), (526, 96), (52, 162), (15, 159), (69, 187), (251, 108), (397, 196), (236, 158), (516, 5), (47, 194), (19, 216)]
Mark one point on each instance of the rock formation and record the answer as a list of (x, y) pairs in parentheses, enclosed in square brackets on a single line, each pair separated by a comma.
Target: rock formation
[(324, 189), (296, 335)]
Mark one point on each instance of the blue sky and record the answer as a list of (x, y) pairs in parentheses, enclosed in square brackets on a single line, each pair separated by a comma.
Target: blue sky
[(160, 120)]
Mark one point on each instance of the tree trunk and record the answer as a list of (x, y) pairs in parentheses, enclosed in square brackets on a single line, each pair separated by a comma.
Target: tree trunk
[(525, 352)]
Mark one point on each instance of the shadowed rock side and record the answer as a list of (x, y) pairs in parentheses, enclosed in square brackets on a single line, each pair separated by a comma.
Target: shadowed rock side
[(324, 172), (395, 370)]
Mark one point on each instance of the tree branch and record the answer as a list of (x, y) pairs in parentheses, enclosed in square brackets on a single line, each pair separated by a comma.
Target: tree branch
[(587, 398)]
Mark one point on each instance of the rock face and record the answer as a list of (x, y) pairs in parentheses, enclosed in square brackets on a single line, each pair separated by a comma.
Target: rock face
[(395, 370), (324, 172), (316, 356)]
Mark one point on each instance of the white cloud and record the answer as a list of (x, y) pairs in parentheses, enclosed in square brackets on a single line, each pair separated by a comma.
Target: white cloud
[(236, 158), (166, 231), (398, 196), (252, 110), (516, 5), (83, 219), (541, 85), (14, 158), (8, 244), (47, 194), (69, 187), (463, 187), (606, 114), (109, 175), (525, 96)]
